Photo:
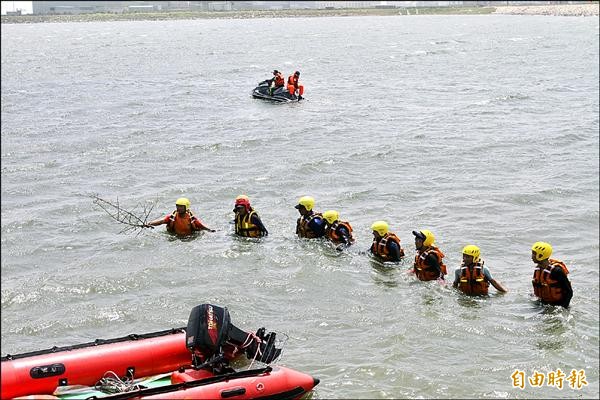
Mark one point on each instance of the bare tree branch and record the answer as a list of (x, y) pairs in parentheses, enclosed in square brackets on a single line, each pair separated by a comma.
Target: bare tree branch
[(133, 219)]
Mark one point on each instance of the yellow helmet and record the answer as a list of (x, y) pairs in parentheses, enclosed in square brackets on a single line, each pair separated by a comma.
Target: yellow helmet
[(182, 201), (331, 216), (380, 227), (542, 250), (472, 250), (306, 201), (426, 236)]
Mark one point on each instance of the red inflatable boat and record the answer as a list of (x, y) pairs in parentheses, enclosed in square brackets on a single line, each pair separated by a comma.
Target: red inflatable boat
[(190, 363)]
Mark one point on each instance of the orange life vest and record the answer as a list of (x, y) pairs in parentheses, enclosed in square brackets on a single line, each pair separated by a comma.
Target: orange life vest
[(302, 228), (181, 225), (472, 280), (546, 288), (279, 81), (293, 81), (331, 232), (424, 271), (245, 227), (380, 249)]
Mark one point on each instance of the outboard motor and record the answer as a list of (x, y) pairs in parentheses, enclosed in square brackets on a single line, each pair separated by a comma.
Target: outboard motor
[(209, 331)]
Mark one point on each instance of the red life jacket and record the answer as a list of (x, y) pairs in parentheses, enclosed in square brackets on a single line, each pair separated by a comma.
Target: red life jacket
[(302, 228), (472, 280), (546, 288), (279, 81), (380, 249), (293, 81), (331, 232), (424, 271)]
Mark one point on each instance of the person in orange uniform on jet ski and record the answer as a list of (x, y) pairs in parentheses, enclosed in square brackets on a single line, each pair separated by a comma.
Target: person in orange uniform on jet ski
[(293, 85)]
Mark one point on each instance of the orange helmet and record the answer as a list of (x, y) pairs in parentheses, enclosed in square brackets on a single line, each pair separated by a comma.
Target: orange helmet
[(242, 201)]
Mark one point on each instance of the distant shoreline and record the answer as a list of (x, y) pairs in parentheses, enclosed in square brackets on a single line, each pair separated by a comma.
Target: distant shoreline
[(566, 10), (557, 10)]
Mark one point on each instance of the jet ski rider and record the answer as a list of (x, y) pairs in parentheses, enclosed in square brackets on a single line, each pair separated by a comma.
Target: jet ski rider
[(277, 82), (293, 85)]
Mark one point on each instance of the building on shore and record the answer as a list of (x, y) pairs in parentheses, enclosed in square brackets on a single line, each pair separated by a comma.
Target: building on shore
[(78, 7)]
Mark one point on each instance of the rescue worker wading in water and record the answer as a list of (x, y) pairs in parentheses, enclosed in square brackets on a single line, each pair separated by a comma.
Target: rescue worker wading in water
[(338, 232), (293, 85), (247, 221), (277, 82), (473, 278), (550, 282), (386, 245), (428, 264), (182, 221), (310, 225)]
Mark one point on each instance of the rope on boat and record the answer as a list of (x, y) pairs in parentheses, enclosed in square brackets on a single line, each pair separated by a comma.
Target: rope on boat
[(111, 383), (278, 343)]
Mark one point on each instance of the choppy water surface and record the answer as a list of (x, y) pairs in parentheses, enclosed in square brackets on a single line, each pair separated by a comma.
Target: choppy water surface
[(482, 129)]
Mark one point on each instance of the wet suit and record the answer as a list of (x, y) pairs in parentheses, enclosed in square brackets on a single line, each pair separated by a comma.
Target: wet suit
[(394, 250), (317, 225)]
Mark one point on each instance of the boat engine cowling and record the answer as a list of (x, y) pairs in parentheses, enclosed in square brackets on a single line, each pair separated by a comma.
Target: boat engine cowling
[(209, 330)]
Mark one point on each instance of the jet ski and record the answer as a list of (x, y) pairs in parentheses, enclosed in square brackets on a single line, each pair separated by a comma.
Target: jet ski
[(280, 94)]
